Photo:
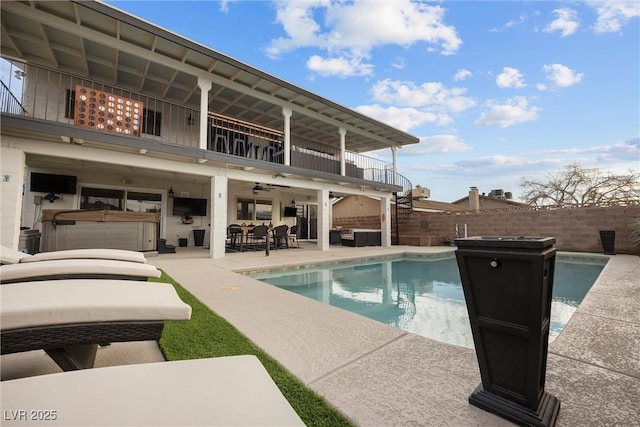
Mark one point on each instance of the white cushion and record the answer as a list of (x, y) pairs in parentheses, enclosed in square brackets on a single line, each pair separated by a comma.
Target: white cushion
[(77, 267), (56, 302), (116, 254), (10, 256), (205, 392)]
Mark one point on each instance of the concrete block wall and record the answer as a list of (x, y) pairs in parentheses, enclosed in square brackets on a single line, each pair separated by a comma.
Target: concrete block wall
[(574, 229), (369, 222)]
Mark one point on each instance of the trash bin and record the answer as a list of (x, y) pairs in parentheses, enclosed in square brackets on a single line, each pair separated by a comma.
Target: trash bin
[(608, 239), (198, 237), (182, 242), (508, 283), (29, 241)]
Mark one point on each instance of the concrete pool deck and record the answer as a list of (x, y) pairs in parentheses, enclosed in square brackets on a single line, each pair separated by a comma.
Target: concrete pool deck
[(378, 375)]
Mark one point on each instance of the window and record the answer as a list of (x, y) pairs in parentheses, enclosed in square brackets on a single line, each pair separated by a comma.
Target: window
[(120, 200), (143, 202), (70, 104), (263, 210), (151, 122), (251, 209), (246, 208), (101, 198)]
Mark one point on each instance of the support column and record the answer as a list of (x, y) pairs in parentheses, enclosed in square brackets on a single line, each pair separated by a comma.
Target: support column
[(323, 219), (343, 133), (385, 221), (12, 167), (205, 87), (286, 114), (218, 218), (394, 179)]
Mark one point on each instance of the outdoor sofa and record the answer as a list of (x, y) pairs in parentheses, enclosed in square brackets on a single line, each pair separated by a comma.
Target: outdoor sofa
[(358, 237)]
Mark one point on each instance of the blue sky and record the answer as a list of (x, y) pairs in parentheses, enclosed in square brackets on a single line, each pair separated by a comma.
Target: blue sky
[(495, 90)]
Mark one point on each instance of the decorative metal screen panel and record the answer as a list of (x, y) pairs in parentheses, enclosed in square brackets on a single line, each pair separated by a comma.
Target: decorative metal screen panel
[(107, 112)]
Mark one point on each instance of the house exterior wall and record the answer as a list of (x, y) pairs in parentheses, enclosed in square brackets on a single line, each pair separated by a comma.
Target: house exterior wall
[(574, 229), (356, 206), (487, 203)]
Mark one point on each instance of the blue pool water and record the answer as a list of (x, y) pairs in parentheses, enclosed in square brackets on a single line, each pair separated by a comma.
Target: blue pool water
[(424, 295)]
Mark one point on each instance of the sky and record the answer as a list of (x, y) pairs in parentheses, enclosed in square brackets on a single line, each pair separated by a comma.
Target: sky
[(496, 91)]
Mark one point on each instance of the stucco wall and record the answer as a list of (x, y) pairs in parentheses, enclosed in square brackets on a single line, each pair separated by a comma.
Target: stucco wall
[(355, 206), (574, 229), (11, 180)]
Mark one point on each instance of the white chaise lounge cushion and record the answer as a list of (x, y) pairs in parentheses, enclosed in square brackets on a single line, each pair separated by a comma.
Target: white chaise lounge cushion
[(10, 256), (56, 302), (204, 392), (60, 267)]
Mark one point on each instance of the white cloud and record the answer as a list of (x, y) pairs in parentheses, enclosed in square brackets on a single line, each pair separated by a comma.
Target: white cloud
[(433, 96), (462, 74), (566, 22), (561, 75), (510, 77), (613, 14), (341, 67), (435, 144), (398, 63), (403, 118), (513, 23), (516, 110), (624, 151), (352, 29)]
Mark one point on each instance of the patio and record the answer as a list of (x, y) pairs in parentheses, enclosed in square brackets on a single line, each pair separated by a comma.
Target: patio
[(379, 375)]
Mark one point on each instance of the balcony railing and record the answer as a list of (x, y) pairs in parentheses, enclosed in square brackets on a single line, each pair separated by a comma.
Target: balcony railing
[(47, 94)]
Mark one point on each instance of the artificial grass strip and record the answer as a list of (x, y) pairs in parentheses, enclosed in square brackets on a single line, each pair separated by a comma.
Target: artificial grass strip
[(208, 335)]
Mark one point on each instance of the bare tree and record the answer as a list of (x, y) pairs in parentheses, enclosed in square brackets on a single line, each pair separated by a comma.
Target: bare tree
[(576, 186)]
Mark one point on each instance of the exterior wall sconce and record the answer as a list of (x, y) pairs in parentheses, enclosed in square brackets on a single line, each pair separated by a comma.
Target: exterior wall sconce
[(52, 197), (170, 193), (190, 120)]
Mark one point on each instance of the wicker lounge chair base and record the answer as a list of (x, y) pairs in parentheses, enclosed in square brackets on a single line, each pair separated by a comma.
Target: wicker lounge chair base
[(73, 346)]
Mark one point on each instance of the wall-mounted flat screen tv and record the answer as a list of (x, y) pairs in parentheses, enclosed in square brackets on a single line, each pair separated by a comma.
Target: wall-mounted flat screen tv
[(50, 183), (290, 211), (188, 206)]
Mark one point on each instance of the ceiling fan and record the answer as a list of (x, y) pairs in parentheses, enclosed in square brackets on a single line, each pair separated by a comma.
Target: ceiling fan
[(256, 189)]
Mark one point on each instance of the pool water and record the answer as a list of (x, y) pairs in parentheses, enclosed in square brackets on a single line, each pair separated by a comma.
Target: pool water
[(424, 295)]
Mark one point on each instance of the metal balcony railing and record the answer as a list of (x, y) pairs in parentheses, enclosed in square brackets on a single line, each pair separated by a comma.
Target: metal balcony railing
[(48, 94), (51, 95)]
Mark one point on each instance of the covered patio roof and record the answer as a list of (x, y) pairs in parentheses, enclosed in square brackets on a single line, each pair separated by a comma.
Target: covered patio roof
[(98, 41)]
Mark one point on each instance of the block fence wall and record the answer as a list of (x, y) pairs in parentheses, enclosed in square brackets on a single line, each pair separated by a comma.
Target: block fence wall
[(371, 222), (574, 228)]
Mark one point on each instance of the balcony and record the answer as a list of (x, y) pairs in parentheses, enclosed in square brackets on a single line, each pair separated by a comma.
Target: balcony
[(45, 94)]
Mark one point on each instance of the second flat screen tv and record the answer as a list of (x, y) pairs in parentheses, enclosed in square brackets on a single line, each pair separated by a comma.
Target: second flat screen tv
[(187, 206), (290, 211)]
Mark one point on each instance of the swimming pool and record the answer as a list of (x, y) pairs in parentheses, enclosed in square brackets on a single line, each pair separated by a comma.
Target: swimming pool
[(423, 294)]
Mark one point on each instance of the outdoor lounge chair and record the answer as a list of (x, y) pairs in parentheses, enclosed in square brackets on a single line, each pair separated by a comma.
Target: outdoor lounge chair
[(69, 318), (10, 256), (77, 269), (222, 391)]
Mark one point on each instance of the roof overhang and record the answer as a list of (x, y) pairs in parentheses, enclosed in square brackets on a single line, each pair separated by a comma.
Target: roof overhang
[(100, 42)]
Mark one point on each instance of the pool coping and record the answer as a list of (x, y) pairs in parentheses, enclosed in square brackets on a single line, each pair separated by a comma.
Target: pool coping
[(379, 375)]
